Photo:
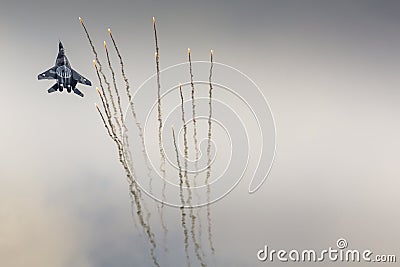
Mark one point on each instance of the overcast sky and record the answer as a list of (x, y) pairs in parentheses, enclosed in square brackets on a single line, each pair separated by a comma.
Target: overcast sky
[(329, 70)]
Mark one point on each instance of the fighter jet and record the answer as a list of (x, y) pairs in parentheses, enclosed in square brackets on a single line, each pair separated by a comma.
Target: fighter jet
[(66, 77)]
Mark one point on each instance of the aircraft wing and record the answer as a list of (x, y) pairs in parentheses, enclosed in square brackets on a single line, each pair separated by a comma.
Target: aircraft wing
[(48, 74), (79, 78)]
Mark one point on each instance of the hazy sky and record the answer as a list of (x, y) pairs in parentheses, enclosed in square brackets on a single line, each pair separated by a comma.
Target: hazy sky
[(329, 70)]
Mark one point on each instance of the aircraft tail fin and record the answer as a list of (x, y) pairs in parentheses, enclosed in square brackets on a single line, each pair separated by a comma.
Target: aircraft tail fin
[(76, 91), (53, 88)]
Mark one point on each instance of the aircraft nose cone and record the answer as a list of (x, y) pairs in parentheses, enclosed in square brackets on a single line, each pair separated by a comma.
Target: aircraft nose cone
[(60, 45)]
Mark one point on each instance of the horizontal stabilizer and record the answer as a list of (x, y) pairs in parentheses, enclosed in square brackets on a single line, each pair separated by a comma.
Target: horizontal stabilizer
[(53, 88), (76, 91)]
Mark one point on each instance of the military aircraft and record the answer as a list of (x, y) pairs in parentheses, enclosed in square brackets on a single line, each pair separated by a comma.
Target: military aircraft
[(66, 77)]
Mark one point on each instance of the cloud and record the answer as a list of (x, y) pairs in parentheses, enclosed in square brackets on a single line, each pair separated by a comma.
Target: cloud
[(33, 232)]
